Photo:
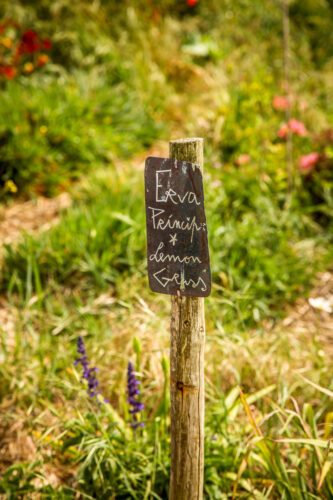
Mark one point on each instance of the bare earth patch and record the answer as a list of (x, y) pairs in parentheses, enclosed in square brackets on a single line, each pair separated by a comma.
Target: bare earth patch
[(30, 216), (16, 444), (314, 319)]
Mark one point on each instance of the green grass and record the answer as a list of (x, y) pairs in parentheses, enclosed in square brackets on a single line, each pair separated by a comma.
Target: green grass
[(262, 254), (112, 89), (282, 452), (88, 276)]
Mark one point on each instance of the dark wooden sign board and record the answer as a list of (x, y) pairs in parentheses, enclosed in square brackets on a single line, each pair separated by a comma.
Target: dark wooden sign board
[(178, 255)]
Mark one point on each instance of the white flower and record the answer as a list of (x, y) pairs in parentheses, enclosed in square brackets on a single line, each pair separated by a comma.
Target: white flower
[(321, 303)]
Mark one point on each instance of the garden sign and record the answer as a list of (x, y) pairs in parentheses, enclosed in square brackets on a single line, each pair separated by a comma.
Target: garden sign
[(178, 265), (178, 255)]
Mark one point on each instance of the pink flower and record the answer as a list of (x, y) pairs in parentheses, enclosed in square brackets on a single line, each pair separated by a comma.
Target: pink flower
[(242, 160), (283, 131), (307, 162), (293, 126), (297, 127), (280, 102)]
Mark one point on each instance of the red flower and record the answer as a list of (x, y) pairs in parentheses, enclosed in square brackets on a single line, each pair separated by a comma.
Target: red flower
[(192, 3), (297, 127), (8, 71), (280, 102), (29, 43), (29, 35), (46, 44), (308, 162)]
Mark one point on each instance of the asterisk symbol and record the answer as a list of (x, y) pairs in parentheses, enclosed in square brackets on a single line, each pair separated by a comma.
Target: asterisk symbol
[(173, 239)]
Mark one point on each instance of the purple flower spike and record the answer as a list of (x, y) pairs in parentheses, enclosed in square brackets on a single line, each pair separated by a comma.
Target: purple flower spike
[(88, 373), (132, 392)]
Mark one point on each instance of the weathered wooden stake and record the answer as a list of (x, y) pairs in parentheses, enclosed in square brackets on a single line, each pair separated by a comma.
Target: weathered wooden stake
[(187, 373)]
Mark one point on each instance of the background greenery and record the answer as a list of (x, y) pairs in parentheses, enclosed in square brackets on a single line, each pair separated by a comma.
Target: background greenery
[(120, 77)]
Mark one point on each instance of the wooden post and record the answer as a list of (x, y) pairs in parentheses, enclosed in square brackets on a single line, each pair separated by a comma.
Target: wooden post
[(187, 373)]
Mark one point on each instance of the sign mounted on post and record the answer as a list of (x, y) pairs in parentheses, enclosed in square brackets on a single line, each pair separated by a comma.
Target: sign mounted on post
[(178, 255)]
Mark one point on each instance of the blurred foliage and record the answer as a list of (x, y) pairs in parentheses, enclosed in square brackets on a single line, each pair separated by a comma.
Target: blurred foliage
[(314, 19), (119, 77), (90, 81), (97, 73), (56, 143)]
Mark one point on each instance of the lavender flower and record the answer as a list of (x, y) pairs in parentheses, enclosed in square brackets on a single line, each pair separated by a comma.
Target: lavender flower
[(133, 392), (88, 373)]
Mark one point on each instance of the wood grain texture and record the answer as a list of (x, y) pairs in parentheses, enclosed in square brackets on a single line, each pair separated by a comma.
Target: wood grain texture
[(187, 373)]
